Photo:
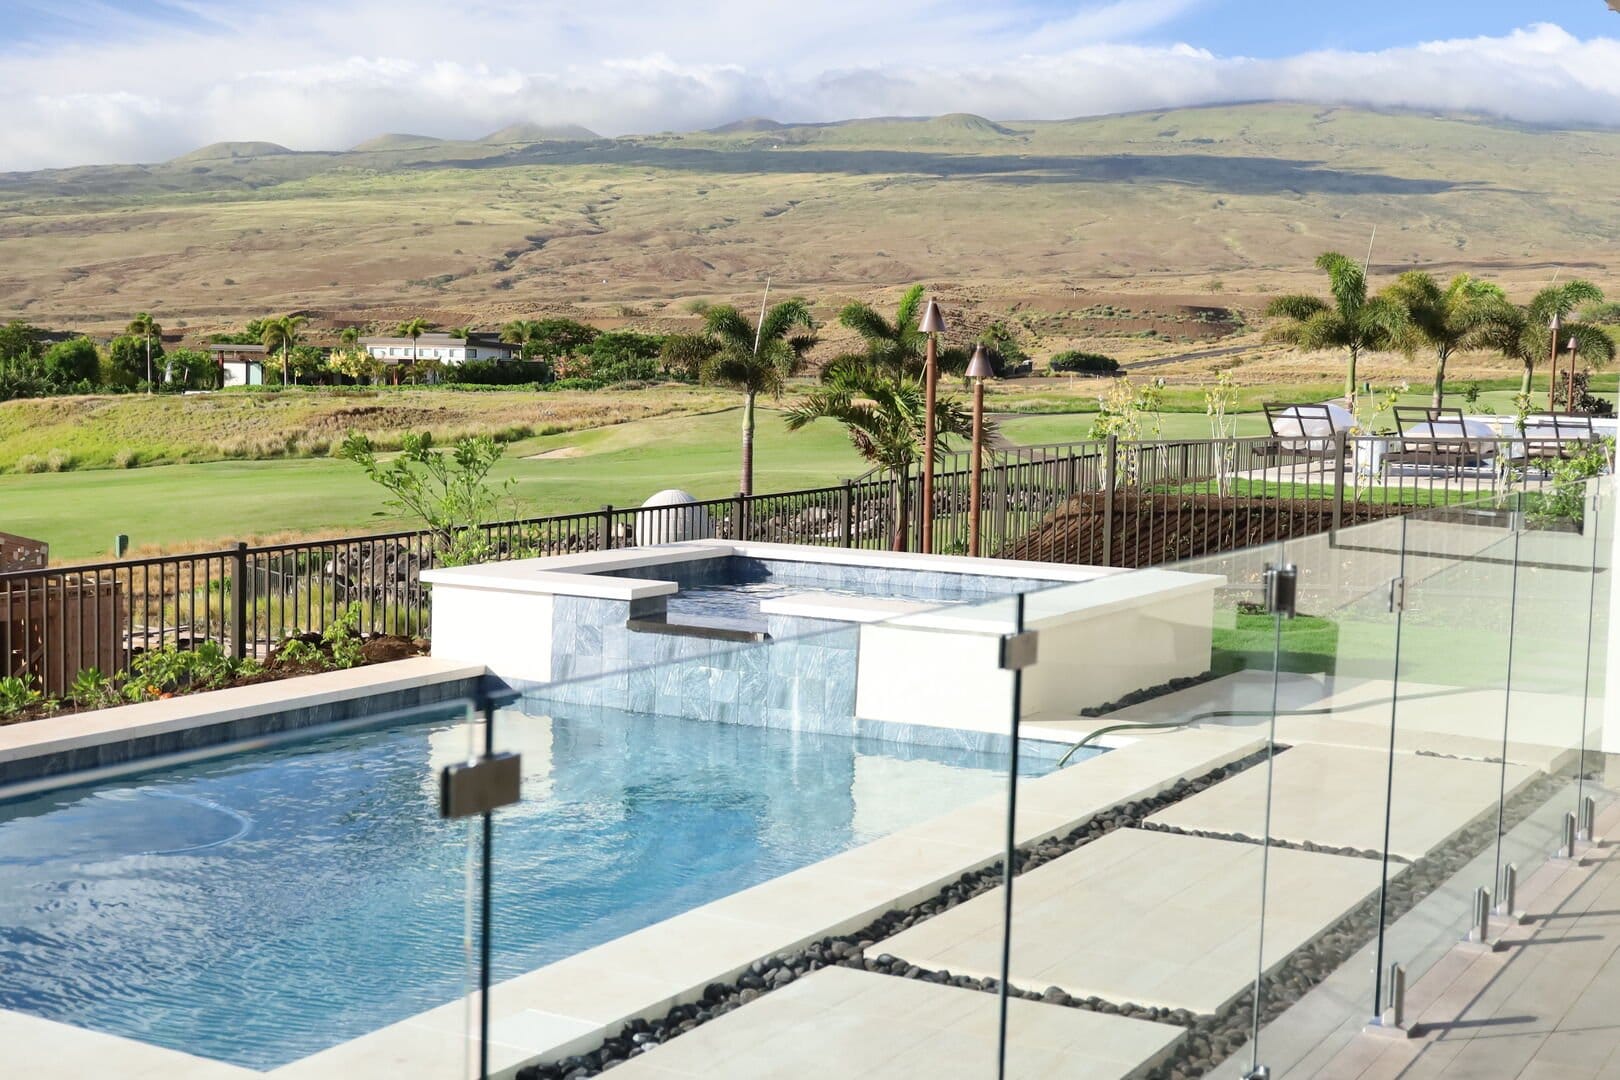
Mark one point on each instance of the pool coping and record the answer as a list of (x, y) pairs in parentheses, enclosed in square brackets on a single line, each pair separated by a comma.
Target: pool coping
[(591, 573), (47, 747)]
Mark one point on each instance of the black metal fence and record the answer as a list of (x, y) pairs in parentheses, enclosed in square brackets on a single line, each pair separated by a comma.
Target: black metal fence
[(1103, 502)]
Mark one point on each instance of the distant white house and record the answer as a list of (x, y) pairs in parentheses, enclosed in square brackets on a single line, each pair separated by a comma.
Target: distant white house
[(239, 365), (441, 347)]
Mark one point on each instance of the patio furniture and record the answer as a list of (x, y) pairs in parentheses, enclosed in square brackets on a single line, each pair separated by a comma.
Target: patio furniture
[(1303, 432), (1440, 439), (1556, 437)]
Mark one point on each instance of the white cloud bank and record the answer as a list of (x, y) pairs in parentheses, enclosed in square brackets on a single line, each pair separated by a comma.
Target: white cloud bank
[(327, 75)]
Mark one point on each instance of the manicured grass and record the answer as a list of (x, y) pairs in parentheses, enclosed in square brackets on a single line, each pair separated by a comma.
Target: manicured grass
[(79, 512)]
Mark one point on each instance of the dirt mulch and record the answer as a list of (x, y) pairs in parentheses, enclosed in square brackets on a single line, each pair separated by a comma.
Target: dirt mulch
[(1152, 529)]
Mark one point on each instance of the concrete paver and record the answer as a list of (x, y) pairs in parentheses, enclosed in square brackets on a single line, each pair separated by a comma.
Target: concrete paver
[(840, 1022), (1147, 917)]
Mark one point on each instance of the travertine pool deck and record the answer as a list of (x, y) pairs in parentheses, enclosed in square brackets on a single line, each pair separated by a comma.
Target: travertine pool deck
[(1146, 917), (1336, 796), (839, 1022)]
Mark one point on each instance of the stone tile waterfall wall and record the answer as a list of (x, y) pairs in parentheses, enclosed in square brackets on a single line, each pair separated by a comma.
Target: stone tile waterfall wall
[(803, 678)]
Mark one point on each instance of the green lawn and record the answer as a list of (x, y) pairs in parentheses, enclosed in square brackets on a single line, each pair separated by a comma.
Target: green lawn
[(78, 512)]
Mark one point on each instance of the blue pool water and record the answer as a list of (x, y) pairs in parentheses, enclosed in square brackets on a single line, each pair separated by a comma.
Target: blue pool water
[(261, 907)]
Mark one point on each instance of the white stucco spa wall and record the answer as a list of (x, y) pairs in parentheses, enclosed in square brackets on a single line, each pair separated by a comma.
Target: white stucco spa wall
[(507, 632), (1093, 661)]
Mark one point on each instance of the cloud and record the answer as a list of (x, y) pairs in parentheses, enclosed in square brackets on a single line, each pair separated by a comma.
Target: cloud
[(327, 75)]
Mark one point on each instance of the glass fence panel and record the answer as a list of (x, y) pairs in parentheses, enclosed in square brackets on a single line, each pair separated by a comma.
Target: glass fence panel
[(1457, 641), (1541, 747), (1336, 678), (1142, 913), (1595, 742), (740, 822), (249, 892)]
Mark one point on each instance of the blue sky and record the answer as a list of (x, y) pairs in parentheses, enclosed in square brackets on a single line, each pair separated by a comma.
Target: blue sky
[(142, 80)]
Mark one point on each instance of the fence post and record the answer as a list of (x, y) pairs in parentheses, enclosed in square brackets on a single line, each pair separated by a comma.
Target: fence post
[(1339, 443), (1110, 470), (739, 514), (239, 572), (846, 515), (604, 539)]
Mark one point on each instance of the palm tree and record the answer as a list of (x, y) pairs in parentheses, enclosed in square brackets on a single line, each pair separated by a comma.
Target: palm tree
[(1521, 331), (281, 332), (1353, 321), (349, 337), (147, 327), (885, 416), (1445, 319), (897, 347), (414, 329), (519, 331), (757, 359)]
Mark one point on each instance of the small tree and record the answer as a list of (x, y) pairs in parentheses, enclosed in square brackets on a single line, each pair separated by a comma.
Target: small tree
[(1352, 321), (885, 416), (126, 358), (145, 327), (448, 491), (1006, 354), (1444, 319), (282, 333), (757, 359), (1521, 331), (1219, 401), (414, 329), (897, 347)]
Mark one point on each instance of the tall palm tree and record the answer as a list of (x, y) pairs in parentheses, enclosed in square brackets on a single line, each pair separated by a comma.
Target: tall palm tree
[(1352, 321), (414, 329), (147, 327), (757, 359), (281, 332), (885, 416), (897, 347), (1445, 319), (1520, 331), (349, 337)]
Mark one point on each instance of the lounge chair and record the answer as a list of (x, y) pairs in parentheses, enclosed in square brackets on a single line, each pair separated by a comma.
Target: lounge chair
[(1440, 439), (1302, 432)]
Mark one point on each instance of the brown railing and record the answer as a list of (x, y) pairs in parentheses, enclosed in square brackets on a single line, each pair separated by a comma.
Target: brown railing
[(1099, 502)]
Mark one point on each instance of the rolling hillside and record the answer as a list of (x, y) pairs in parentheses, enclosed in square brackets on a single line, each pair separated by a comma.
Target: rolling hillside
[(532, 218)]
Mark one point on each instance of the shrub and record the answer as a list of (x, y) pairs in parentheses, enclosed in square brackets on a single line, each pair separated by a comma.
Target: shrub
[(126, 356), (58, 461), (502, 373), (550, 339), (17, 692), (30, 463), (1087, 362), (69, 362), (126, 458), (342, 638), (91, 689), (1006, 354)]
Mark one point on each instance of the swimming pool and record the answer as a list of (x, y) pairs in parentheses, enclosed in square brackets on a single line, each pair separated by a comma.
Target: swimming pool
[(261, 907)]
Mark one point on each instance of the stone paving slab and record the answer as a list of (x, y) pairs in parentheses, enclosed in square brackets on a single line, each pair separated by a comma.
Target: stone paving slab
[(846, 1023), (1336, 796), (1147, 917)]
